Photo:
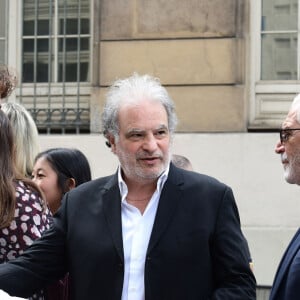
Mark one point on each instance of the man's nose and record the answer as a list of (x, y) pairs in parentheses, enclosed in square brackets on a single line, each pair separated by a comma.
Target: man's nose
[(150, 143)]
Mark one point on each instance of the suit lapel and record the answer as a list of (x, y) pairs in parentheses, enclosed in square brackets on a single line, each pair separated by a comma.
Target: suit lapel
[(112, 211), (170, 195), (168, 202), (286, 261)]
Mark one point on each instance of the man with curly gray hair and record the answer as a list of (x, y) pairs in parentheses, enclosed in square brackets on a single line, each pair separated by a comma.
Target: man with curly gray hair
[(151, 231)]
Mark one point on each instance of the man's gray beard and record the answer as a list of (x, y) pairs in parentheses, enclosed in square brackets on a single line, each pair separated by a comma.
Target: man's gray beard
[(292, 170)]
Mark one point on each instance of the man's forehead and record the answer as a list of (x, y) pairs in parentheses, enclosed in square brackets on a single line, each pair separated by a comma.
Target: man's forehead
[(290, 119)]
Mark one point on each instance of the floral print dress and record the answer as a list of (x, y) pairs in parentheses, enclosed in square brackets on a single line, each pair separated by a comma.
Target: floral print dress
[(31, 219)]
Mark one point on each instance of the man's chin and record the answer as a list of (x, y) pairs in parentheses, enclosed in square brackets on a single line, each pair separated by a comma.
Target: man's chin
[(150, 174), (290, 179)]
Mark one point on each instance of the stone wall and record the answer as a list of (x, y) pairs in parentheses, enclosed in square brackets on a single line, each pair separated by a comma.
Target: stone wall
[(195, 47)]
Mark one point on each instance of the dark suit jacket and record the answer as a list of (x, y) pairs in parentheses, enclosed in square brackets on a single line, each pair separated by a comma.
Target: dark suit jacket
[(196, 249), (286, 284)]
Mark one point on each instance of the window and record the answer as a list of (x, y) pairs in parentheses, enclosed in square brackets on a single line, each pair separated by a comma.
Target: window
[(55, 63), (56, 41), (279, 37), (275, 52)]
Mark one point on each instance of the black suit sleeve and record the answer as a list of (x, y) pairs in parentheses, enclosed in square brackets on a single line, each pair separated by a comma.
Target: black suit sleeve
[(233, 276)]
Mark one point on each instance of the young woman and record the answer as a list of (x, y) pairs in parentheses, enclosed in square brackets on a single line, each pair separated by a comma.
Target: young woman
[(23, 213), (58, 170)]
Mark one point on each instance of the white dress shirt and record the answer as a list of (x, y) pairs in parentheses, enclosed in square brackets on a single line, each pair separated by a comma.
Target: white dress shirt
[(136, 231), (5, 296)]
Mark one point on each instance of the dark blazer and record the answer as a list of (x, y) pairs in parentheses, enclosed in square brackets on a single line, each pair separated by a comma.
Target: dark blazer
[(286, 284), (196, 249)]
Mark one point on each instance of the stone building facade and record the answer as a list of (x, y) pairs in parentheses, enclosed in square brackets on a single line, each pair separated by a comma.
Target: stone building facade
[(231, 67)]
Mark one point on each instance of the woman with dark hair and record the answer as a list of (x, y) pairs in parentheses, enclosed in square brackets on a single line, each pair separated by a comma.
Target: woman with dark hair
[(58, 170), (23, 212)]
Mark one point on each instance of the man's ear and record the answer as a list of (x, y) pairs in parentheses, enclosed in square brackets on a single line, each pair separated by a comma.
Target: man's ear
[(112, 142)]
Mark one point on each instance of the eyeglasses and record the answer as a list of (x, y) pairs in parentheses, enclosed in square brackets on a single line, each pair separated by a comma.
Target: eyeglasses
[(286, 133)]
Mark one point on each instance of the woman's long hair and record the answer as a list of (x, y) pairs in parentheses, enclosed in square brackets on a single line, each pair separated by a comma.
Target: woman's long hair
[(25, 136), (8, 173)]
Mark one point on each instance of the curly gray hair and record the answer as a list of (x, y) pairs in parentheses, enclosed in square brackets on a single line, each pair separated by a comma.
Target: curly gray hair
[(132, 90)]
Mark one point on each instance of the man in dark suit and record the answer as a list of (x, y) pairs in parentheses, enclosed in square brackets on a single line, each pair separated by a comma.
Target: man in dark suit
[(286, 285), (151, 231)]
